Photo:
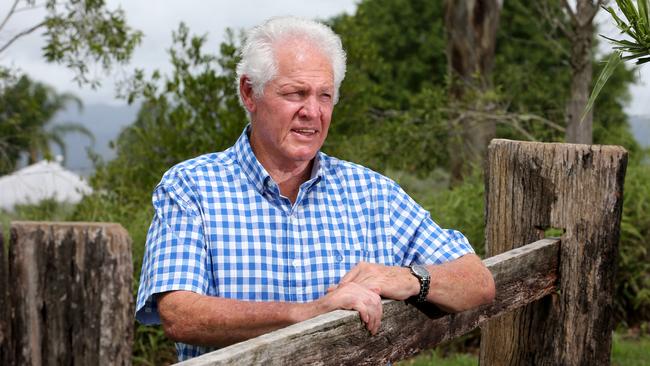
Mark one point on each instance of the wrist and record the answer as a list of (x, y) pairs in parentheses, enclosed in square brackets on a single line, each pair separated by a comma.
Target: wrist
[(302, 311), (413, 284), (421, 273)]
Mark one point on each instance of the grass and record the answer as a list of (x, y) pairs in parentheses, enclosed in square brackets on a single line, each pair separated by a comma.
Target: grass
[(631, 351), (436, 358), (628, 350)]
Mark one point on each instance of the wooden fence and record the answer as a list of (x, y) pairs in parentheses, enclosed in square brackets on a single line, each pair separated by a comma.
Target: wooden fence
[(554, 296), (66, 288), (66, 295)]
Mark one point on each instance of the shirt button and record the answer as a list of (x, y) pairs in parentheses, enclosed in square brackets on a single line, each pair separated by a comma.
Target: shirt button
[(296, 262), (339, 257)]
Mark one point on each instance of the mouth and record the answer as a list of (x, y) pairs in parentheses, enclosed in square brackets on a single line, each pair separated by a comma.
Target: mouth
[(304, 131)]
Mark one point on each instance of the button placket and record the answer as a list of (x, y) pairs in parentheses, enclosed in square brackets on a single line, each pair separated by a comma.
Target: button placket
[(297, 248)]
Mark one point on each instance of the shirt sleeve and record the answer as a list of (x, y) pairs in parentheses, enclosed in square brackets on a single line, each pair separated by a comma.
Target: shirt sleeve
[(175, 253), (417, 239)]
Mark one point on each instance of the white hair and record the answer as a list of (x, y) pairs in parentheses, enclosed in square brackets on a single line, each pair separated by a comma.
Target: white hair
[(258, 60)]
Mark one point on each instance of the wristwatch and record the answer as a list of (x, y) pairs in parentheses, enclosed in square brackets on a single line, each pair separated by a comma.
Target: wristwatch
[(422, 274)]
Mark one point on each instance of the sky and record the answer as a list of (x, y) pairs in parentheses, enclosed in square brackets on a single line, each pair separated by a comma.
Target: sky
[(158, 18)]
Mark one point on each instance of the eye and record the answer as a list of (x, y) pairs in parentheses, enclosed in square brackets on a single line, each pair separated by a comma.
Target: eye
[(326, 97), (295, 95)]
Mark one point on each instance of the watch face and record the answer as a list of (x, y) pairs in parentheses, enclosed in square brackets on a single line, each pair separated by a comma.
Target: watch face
[(420, 271)]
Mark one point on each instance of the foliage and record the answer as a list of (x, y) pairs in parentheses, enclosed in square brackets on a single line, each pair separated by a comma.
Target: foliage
[(26, 109), (46, 210), (394, 87), (460, 207), (192, 111), (637, 27), (535, 81), (152, 348), (632, 301), (435, 357), (611, 125), (630, 351), (78, 33)]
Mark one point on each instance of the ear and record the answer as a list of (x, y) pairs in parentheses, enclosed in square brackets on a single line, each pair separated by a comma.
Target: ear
[(246, 92)]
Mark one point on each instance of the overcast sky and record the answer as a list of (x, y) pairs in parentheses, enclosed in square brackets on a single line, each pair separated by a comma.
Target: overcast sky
[(158, 18)]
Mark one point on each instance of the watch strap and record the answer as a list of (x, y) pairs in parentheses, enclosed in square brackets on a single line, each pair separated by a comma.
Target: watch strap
[(424, 279)]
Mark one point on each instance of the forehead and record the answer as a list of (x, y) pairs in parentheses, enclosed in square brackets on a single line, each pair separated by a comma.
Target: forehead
[(301, 59)]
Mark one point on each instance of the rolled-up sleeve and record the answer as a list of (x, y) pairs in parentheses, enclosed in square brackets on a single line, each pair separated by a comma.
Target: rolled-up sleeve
[(175, 255), (417, 239)]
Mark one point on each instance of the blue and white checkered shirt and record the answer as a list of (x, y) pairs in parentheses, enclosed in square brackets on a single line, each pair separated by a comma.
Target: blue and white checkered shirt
[(222, 228)]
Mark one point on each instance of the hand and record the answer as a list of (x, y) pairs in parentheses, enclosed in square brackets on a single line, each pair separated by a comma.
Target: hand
[(351, 296), (392, 282)]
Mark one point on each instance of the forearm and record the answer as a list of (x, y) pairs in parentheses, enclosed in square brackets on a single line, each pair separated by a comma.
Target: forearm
[(212, 321), (461, 284)]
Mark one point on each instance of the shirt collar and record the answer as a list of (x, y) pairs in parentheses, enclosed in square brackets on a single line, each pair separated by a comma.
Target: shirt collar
[(256, 173)]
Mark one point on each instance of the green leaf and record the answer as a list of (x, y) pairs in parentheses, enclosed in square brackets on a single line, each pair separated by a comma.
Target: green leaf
[(611, 65)]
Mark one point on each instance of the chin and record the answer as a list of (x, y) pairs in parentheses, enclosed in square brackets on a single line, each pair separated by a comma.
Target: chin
[(304, 156)]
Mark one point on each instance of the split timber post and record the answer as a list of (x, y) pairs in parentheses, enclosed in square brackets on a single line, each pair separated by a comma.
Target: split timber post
[(531, 187), (568, 282), (71, 294), (5, 336)]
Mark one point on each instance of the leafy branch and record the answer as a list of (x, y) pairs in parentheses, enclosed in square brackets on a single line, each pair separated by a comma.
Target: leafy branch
[(636, 25)]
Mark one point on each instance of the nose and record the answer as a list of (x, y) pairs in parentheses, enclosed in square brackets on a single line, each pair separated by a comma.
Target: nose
[(310, 109)]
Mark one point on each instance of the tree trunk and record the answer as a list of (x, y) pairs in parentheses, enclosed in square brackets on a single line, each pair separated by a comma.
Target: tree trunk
[(579, 130), (471, 27)]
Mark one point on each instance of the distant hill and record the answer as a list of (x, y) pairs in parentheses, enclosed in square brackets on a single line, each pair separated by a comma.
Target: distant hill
[(105, 122), (641, 129)]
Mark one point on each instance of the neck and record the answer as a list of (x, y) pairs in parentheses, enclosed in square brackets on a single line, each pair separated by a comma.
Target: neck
[(289, 181), (289, 176)]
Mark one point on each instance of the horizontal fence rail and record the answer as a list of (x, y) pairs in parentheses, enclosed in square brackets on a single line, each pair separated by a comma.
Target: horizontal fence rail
[(522, 275)]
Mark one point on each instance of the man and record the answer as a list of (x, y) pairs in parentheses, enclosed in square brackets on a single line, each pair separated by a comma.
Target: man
[(272, 231)]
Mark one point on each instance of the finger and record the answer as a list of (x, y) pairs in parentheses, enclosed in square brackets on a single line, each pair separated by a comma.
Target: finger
[(363, 314), (379, 311), (350, 276), (376, 314), (332, 288)]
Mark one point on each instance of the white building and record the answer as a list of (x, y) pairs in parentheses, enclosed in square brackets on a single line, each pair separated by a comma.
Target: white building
[(43, 180)]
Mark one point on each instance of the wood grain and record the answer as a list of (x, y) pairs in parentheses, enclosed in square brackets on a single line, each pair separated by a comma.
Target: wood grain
[(339, 338), (71, 294), (531, 187)]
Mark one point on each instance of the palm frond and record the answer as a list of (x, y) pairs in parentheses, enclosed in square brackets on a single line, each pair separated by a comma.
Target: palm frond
[(637, 26), (611, 65)]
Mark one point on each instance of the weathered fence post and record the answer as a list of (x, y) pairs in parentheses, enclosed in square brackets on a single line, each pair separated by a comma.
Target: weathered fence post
[(71, 293), (5, 331), (531, 187)]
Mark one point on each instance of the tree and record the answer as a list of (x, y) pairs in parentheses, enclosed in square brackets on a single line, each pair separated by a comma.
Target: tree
[(26, 109), (580, 33), (390, 113), (77, 32), (471, 28), (191, 111)]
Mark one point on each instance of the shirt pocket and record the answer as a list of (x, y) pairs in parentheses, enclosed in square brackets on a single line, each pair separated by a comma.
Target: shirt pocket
[(344, 255)]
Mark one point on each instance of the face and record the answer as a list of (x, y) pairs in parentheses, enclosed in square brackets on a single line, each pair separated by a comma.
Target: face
[(290, 121)]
